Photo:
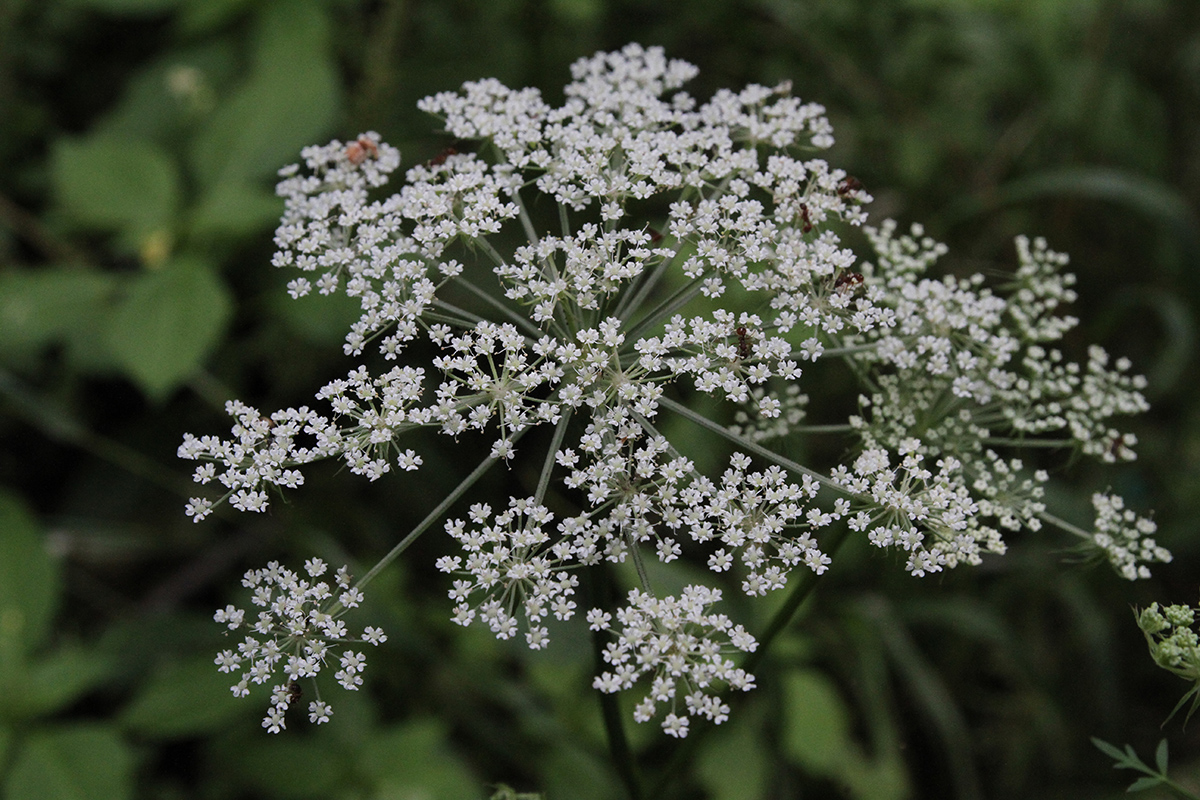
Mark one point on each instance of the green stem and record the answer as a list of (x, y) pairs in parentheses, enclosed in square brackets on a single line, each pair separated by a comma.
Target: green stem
[(1058, 522), (526, 220), (848, 350), (431, 518), (520, 320), (746, 444), (618, 745), (801, 590), (633, 301), (560, 432), (1048, 443), (666, 308)]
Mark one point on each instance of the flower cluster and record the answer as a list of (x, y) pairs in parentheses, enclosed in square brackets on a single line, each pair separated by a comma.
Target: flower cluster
[(1125, 538), (1174, 645), (635, 262), (293, 635), (683, 646)]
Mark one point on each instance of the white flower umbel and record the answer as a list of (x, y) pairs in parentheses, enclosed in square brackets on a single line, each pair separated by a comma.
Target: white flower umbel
[(632, 264), (682, 646), (294, 635)]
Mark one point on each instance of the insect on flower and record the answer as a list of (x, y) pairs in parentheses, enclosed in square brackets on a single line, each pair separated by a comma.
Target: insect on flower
[(359, 150), (808, 226), (441, 157), (294, 693), (745, 347), (849, 185), (848, 281)]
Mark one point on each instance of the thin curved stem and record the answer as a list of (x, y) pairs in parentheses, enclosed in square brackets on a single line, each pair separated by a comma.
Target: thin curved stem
[(511, 314), (432, 516), (748, 445)]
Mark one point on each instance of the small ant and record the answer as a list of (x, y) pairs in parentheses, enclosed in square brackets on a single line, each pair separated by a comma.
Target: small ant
[(808, 226), (441, 157), (1116, 448), (744, 348), (358, 151), (294, 693), (850, 184), (848, 281)]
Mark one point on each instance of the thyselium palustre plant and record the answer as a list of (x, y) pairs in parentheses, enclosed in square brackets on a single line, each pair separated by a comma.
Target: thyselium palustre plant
[(692, 248)]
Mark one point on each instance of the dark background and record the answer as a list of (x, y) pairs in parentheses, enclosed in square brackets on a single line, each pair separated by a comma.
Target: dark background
[(138, 144)]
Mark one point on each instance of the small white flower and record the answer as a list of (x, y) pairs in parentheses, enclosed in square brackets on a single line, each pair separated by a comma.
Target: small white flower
[(298, 631)]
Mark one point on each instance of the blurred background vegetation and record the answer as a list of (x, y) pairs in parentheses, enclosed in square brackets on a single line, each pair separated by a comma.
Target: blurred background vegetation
[(138, 144)]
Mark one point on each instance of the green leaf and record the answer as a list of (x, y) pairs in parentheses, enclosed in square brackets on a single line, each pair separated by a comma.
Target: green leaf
[(235, 209), (183, 699), (29, 579), (415, 761), (168, 323), (82, 762), (1160, 757), (1109, 750), (816, 726), (733, 763), (116, 184), (1142, 784), (62, 677), (289, 101), (48, 306)]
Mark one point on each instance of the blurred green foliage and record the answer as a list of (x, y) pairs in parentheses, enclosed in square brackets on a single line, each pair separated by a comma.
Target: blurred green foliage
[(138, 144)]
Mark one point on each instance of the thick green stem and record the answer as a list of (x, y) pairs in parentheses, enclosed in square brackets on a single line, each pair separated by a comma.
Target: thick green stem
[(802, 589), (560, 432)]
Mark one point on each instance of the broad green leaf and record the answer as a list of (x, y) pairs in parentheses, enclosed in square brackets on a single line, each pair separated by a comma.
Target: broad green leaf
[(51, 306), (415, 761), (116, 184), (29, 578), (165, 100), (816, 726), (289, 100), (168, 323), (81, 762), (183, 699), (62, 677), (289, 765), (235, 209), (733, 764)]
